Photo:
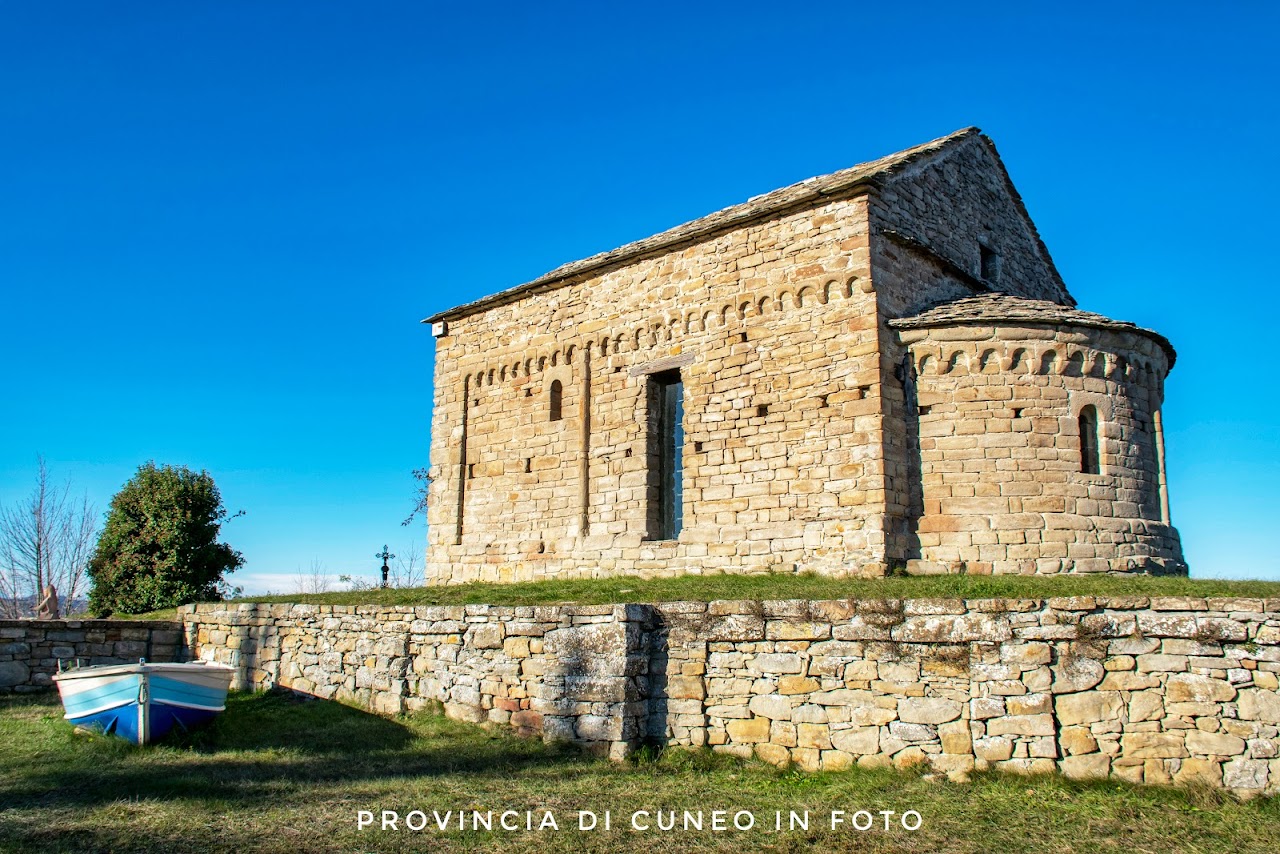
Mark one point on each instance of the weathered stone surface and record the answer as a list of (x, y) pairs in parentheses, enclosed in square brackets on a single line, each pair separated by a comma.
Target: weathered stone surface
[(750, 731), (771, 706), (956, 737), (774, 754), (951, 629), (1204, 771), (912, 732), (1089, 707), (1093, 766), (487, 636), (1153, 745), (858, 741), (928, 710), (609, 676), (13, 673), (1244, 774), (783, 662), (1077, 673), (1214, 743), (995, 749), (1021, 725), (1193, 688), (1256, 704), (1077, 739)]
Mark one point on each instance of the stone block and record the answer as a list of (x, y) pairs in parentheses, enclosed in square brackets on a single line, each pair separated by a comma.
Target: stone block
[(1245, 774), (1089, 707), (859, 741), (1077, 673), (13, 673), (771, 706), (1092, 766), (1214, 743), (1193, 688), (1257, 704), (1021, 725), (1153, 745), (749, 731), (787, 662), (928, 710), (956, 737)]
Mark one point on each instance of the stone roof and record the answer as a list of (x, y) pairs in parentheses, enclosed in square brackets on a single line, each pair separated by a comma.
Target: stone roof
[(806, 192), (1019, 311)]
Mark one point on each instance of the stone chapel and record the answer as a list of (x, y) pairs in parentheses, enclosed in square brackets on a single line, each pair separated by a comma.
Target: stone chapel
[(878, 370)]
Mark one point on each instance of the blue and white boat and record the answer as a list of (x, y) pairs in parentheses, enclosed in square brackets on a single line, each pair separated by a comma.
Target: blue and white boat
[(144, 702)]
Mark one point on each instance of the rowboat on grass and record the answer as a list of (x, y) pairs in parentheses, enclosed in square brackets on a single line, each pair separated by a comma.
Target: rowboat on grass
[(144, 702)]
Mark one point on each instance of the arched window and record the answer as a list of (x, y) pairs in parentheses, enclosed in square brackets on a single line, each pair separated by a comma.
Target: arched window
[(557, 395), (1089, 440)]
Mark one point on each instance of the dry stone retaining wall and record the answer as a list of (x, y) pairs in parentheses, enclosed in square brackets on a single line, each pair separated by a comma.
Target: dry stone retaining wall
[(31, 649), (1147, 690)]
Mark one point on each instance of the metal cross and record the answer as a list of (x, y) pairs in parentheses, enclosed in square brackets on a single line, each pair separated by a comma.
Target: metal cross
[(385, 555)]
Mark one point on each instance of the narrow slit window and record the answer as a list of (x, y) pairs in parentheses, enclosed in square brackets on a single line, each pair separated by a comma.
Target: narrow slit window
[(666, 453), (989, 264), (556, 401), (1089, 460)]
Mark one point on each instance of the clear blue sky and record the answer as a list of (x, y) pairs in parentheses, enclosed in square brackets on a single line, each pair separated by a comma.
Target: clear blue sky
[(220, 222)]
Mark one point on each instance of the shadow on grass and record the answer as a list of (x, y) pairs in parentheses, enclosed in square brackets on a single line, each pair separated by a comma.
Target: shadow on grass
[(260, 742)]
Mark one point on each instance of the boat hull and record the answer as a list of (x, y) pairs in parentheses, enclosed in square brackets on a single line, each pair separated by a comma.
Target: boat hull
[(144, 702)]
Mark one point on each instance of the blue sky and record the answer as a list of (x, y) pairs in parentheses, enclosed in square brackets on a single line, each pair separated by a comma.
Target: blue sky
[(221, 222)]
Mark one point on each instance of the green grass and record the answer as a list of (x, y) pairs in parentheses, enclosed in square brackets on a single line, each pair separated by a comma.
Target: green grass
[(277, 774), (598, 591)]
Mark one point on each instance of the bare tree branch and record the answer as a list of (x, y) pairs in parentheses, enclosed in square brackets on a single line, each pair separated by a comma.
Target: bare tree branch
[(409, 569), (315, 579), (45, 540)]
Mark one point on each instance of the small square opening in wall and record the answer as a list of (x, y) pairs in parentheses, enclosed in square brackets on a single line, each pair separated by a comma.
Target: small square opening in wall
[(471, 470), (742, 337), (863, 391), (697, 447), (626, 452), (528, 465), (923, 410), (822, 401), (1017, 412), (762, 410), (528, 392)]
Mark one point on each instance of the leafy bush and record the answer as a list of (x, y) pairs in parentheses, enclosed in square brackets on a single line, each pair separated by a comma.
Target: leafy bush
[(159, 548)]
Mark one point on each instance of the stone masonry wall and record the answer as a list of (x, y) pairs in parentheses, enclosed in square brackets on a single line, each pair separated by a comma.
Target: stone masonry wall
[(772, 327), (31, 649), (928, 226), (569, 673), (1146, 690), (799, 448), (999, 458)]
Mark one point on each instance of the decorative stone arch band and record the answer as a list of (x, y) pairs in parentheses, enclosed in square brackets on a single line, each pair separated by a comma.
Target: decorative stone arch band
[(1038, 441)]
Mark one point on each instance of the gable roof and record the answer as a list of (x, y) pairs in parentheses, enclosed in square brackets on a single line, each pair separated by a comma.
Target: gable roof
[(1020, 311), (805, 193)]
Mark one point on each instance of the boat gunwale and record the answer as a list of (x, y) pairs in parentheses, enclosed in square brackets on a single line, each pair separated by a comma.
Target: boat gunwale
[(98, 670)]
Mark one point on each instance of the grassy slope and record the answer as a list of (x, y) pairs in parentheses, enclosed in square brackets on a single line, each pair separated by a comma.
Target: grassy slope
[(707, 587), (278, 774)]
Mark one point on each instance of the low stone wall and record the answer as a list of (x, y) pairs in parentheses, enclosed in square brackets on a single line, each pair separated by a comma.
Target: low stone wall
[(1147, 690), (31, 649), (572, 673)]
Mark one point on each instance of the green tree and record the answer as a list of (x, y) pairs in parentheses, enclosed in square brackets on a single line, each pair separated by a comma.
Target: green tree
[(160, 545)]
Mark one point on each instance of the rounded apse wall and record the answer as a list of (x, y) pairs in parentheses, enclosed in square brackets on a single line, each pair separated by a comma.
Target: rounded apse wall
[(1039, 449)]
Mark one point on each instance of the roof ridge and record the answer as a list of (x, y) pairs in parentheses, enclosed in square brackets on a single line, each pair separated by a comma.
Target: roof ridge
[(755, 207)]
